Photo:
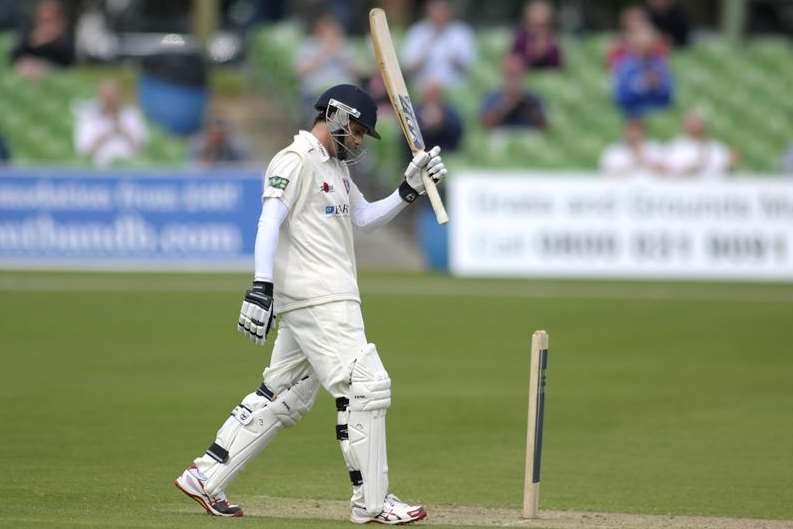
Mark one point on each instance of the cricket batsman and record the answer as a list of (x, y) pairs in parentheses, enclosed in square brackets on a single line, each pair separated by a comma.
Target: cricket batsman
[(305, 271)]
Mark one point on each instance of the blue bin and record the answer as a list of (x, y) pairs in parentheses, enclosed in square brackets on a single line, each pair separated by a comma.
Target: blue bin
[(178, 108), (433, 240)]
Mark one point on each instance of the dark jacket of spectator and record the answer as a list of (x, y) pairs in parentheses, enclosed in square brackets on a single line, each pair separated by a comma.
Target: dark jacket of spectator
[(642, 79), (669, 17), (5, 153), (535, 42), (48, 39), (512, 105), (217, 145), (439, 122)]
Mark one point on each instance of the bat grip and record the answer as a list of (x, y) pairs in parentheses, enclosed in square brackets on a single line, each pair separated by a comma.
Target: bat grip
[(435, 198)]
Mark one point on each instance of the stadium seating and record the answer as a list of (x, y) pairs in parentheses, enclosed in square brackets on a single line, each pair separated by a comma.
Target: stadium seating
[(36, 117), (742, 91)]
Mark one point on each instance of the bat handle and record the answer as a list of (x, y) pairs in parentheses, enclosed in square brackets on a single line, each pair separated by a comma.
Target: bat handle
[(435, 198)]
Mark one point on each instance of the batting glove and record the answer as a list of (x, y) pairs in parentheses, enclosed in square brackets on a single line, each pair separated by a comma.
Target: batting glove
[(256, 315), (429, 161)]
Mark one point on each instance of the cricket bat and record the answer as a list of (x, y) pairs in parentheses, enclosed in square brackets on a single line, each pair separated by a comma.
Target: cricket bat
[(388, 64)]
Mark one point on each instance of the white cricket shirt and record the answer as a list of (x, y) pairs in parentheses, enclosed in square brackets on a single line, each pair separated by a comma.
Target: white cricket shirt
[(315, 258)]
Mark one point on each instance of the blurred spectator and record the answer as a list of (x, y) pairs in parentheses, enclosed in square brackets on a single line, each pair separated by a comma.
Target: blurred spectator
[(536, 42), (46, 44), (634, 155), (438, 48), (512, 105), (695, 153), (106, 131), (376, 88), (642, 79), (669, 17), (787, 161), (9, 14), (632, 20), (325, 59), (5, 153), (217, 145), (439, 122)]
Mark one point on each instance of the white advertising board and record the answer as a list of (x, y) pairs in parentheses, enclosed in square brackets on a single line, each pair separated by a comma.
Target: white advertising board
[(579, 225)]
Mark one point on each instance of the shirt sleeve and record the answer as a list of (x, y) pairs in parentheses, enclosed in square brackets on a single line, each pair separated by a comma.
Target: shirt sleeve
[(273, 214), (282, 178), (136, 126), (371, 215), (414, 47), (466, 46)]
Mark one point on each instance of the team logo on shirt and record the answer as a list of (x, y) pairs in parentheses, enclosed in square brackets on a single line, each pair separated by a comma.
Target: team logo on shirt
[(339, 210), (346, 185), (326, 187), (278, 182)]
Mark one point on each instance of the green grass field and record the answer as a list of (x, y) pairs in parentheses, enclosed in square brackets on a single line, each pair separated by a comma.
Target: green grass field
[(662, 398)]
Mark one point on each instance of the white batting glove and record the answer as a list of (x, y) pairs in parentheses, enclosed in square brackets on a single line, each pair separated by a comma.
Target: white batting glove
[(429, 161), (256, 314)]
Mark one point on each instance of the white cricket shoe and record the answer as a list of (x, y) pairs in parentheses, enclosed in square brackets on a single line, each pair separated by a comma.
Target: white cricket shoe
[(191, 482), (395, 512)]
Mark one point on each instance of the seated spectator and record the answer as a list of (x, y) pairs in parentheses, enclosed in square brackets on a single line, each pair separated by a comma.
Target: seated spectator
[(634, 155), (216, 144), (439, 122), (632, 20), (695, 153), (642, 79), (106, 131), (536, 42), (669, 17), (438, 48), (512, 105), (48, 43), (325, 59)]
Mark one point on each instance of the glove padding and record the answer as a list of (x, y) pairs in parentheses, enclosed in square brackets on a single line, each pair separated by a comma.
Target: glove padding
[(256, 314), (429, 161)]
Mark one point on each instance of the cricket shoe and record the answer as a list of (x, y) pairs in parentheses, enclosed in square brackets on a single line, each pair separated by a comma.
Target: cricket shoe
[(192, 481), (395, 512)]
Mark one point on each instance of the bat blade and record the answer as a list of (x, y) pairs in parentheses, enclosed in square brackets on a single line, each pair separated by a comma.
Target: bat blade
[(388, 64)]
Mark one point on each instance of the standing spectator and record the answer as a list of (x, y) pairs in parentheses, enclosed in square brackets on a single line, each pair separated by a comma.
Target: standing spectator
[(536, 42), (669, 17), (787, 161), (439, 122), (5, 153), (106, 131), (324, 59), (695, 153), (217, 145), (632, 20), (438, 48), (512, 105), (48, 43), (642, 79), (634, 155)]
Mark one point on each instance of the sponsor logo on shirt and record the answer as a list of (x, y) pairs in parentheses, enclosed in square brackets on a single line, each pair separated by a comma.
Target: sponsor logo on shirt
[(339, 210), (278, 182)]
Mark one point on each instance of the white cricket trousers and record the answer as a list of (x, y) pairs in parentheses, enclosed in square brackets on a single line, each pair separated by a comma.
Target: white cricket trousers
[(321, 340)]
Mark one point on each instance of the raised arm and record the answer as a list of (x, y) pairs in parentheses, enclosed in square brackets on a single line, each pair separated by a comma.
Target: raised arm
[(371, 215)]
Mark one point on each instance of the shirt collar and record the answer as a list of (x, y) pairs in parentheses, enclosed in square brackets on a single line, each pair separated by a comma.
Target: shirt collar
[(315, 148)]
